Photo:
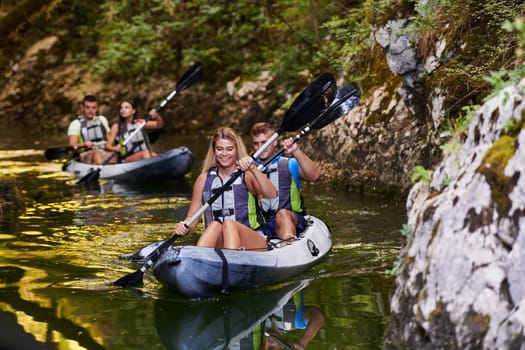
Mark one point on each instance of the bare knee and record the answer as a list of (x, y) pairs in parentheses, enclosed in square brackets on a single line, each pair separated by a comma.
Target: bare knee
[(229, 228), (212, 236), (285, 224), (282, 214), (228, 224)]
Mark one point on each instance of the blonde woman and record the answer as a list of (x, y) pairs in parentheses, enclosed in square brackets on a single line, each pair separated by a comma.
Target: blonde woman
[(232, 220)]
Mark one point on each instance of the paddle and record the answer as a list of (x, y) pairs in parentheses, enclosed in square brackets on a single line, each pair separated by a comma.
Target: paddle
[(347, 97), (60, 152), (310, 103), (54, 153), (193, 74)]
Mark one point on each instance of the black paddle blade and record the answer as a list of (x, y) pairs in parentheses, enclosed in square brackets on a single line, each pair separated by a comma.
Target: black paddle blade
[(153, 136), (346, 99), (311, 101), (58, 152), (193, 74), (134, 279), (90, 177)]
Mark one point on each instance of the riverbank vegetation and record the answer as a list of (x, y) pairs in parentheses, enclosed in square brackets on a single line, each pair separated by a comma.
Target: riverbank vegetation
[(141, 40)]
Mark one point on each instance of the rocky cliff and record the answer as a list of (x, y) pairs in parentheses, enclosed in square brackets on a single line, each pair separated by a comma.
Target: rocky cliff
[(462, 278)]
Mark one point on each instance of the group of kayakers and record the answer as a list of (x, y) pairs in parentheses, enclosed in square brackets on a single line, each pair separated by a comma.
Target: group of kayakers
[(259, 204), (90, 133)]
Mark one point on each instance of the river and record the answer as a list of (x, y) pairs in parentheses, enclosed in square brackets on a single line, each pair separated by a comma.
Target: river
[(59, 257)]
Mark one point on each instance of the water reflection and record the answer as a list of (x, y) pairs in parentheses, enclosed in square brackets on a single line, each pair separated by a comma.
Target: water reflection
[(30, 321), (250, 320)]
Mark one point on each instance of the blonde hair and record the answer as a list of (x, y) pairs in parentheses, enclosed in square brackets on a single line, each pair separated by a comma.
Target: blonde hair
[(224, 134)]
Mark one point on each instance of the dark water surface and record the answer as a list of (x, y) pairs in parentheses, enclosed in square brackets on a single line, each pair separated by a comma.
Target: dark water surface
[(58, 258)]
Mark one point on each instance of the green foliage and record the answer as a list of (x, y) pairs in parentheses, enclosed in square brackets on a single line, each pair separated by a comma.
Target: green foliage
[(421, 174), (394, 271), (347, 40), (446, 181), (134, 40), (504, 77), (458, 128), (406, 231)]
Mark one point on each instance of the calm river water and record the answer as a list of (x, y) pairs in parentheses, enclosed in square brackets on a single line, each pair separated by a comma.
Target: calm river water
[(58, 258)]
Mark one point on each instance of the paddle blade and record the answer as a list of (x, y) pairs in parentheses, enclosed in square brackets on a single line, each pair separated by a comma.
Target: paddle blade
[(192, 75), (153, 136), (58, 152), (310, 103), (133, 279), (90, 177), (347, 97)]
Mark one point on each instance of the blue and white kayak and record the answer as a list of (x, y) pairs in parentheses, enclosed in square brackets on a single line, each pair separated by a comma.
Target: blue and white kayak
[(170, 165), (202, 272)]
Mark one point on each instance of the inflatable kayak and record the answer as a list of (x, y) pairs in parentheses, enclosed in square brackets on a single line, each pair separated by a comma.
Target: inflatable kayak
[(202, 272), (170, 165), (229, 322)]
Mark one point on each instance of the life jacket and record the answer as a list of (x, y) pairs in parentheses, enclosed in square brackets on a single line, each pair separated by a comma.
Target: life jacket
[(92, 130), (289, 195), (235, 203), (138, 143)]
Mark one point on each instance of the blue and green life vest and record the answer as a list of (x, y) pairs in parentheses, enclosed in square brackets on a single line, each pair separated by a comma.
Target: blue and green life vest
[(235, 203), (289, 194)]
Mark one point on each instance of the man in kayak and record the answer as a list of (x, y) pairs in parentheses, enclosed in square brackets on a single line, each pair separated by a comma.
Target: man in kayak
[(284, 214), (89, 131)]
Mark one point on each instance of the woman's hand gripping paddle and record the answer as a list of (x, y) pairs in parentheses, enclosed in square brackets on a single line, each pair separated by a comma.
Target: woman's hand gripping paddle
[(193, 74), (347, 97), (306, 107)]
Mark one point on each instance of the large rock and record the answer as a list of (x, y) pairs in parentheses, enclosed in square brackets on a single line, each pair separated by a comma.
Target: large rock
[(461, 283)]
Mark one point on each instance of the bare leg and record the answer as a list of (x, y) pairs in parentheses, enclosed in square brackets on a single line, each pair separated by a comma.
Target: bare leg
[(97, 157), (138, 156), (237, 235), (212, 236), (285, 224)]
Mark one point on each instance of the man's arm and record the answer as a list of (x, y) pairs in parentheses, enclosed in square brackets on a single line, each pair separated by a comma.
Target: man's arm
[(309, 171)]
